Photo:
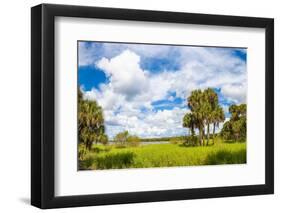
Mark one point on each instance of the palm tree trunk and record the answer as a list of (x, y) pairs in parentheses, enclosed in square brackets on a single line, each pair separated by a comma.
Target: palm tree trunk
[(192, 136), (214, 128), (208, 133), (200, 136), (188, 137), (203, 136)]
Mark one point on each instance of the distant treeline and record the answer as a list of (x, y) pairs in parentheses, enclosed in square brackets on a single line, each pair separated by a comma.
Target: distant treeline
[(175, 138), (162, 139), (159, 139)]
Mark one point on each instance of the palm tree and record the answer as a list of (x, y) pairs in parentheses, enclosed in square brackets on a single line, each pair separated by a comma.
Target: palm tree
[(189, 121), (90, 121), (205, 110), (195, 103), (211, 103), (218, 117)]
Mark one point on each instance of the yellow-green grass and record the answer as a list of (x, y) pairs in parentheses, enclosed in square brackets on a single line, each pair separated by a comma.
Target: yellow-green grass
[(163, 155)]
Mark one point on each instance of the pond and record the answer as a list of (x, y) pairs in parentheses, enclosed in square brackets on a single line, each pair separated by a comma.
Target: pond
[(153, 142), (146, 142)]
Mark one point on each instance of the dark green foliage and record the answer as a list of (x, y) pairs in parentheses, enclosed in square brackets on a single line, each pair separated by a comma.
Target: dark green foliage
[(236, 127), (90, 122), (226, 157), (189, 121), (103, 139), (117, 160)]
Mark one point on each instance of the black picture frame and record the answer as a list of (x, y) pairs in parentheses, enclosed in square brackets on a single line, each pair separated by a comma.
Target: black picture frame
[(43, 102)]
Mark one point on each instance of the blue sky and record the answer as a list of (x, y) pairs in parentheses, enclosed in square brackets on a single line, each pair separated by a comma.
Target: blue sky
[(143, 88)]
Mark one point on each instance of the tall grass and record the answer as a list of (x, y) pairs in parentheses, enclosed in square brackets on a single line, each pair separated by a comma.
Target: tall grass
[(163, 155)]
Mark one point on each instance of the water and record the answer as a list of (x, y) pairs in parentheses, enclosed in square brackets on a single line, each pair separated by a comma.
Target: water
[(147, 142), (154, 142)]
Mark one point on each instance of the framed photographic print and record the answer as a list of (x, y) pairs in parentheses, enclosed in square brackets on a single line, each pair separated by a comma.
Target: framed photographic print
[(139, 106)]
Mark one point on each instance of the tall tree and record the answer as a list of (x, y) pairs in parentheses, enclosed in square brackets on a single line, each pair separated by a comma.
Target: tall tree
[(218, 117), (197, 105), (189, 122), (90, 122), (211, 105), (122, 137), (205, 110), (133, 140), (236, 127)]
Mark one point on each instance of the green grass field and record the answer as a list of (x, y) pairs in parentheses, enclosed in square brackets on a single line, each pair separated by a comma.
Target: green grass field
[(163, 155)]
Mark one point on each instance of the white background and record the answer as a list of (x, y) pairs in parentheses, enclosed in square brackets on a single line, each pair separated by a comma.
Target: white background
[(70, 182), (15, 106)]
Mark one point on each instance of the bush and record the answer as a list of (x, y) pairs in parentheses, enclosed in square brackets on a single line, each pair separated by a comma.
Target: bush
[(133, 141), (120, 146), (191, 140), (104, 139), (174, 141)]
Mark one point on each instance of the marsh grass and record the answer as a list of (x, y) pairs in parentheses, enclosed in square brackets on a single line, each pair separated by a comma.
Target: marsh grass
[(163, 155)]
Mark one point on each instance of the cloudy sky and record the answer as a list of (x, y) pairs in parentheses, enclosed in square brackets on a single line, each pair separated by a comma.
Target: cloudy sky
[(143, 88)]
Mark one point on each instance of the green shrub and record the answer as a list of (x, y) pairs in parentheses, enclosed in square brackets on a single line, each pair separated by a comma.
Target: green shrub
[(174, 141), (133, 141)]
